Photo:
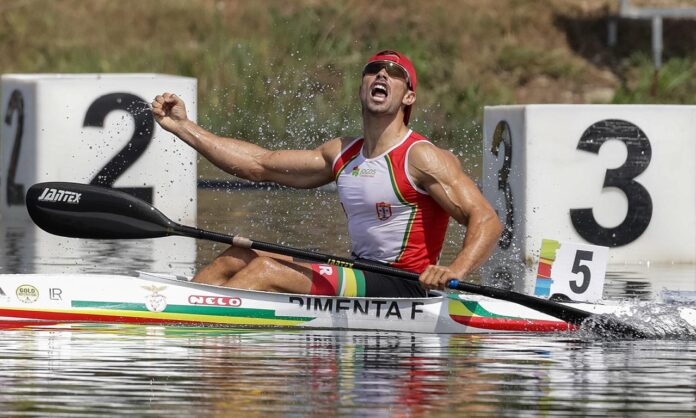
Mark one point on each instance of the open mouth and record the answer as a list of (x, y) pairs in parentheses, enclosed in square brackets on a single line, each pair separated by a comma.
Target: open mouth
[(379, 91)]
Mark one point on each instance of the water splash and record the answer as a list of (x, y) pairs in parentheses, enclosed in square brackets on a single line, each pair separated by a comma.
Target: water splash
[(651, 319)]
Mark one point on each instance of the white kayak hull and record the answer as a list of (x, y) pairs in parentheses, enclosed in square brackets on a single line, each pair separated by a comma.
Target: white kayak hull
[(164, 299)]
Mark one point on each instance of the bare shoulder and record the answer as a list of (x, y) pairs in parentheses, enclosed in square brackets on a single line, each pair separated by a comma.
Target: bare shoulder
[(331, 149), (430, 162)]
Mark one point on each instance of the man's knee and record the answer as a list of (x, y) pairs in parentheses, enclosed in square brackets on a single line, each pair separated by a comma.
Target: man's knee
[(262, 266), (265, 274), (242, 254), (233, 260)]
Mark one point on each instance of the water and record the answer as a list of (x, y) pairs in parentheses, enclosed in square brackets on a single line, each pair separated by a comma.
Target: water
[(167, 371), (156, 371)]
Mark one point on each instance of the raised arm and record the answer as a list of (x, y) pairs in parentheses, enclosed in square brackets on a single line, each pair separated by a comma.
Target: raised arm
[(295, 168), (439, 173)]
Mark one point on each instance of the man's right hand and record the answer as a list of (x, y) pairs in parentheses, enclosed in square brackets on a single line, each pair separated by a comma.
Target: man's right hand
[(169, 111)]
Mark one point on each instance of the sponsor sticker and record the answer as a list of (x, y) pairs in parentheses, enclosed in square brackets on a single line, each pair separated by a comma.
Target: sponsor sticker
[(363, 172), (55, 293), (368, 172), (27, 293), (214, 300)]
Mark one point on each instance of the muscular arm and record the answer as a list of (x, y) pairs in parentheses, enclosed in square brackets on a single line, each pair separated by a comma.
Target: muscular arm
[(439, 173), (295, 168)]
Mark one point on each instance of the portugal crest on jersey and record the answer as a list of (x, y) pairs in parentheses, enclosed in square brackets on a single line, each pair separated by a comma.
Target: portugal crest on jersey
[(384, 211)]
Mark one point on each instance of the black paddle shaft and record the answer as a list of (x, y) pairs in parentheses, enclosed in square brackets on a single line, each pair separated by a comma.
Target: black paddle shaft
[(87, 211)]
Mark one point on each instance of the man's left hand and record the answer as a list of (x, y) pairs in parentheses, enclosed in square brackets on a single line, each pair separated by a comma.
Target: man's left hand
[(435, 277)]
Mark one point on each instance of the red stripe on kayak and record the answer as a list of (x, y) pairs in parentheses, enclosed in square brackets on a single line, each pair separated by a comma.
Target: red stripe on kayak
[(507, 324), (80, 317)]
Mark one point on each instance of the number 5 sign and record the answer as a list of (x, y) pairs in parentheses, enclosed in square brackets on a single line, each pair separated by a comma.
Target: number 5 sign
[(573, 270), (97, 129)]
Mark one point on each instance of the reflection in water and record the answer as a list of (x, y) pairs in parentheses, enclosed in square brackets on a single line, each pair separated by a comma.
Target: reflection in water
[(174, 371), (28, 249), (11, 248)]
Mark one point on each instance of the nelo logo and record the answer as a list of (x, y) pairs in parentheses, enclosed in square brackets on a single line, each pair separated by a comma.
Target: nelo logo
[(214, 300), (55, 195)]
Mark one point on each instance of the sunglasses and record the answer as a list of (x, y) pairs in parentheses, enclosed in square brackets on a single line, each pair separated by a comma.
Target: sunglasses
[(393, 69)]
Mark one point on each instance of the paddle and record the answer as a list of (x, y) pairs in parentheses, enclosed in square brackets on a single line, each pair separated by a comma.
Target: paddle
[(86, 211)]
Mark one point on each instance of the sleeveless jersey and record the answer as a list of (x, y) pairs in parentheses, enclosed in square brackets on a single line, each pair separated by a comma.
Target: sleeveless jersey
[(389, 218)]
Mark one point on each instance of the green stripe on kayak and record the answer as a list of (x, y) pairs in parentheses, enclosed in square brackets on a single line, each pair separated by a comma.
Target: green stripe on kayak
[(192, 310), (477, 309)]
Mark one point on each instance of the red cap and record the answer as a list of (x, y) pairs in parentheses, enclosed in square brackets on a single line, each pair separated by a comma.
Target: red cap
[(402, 60)]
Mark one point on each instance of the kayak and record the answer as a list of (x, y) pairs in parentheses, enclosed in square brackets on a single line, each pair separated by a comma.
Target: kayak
[(95, 212), (102, 213), (155, 298)]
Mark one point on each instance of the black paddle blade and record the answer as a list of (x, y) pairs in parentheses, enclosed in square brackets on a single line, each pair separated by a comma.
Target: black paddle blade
[(85, 211)]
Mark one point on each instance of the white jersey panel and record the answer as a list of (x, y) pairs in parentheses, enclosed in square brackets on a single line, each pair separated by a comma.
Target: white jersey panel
[(378, 220)]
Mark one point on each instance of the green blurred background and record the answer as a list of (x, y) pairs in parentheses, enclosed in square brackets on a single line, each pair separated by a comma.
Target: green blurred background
[(286, 73)]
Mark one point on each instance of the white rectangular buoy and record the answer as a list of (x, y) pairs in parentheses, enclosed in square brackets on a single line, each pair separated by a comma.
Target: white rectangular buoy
[(620, 176), (98, 129)]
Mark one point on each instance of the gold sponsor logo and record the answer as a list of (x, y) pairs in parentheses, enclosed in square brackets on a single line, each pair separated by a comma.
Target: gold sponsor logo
[(27, 293)]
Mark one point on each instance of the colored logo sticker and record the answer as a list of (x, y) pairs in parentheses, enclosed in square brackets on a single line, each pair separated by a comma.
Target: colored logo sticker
[(155, 302), (384, 211), (546, 259), (355, 172), (27, 293)]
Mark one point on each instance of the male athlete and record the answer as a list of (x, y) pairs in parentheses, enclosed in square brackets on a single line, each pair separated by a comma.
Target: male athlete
[(397, 189)]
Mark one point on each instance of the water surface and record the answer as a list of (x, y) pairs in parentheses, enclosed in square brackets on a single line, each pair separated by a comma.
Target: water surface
[(192, 372)]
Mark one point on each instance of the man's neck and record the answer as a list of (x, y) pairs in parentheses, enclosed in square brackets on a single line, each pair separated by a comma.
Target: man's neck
[(381, 134)]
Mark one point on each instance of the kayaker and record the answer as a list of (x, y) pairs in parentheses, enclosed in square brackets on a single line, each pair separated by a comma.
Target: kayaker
[(398, 191)]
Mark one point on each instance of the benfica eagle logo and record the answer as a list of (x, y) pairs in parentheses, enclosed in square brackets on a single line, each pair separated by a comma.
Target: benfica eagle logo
[(155, 301)]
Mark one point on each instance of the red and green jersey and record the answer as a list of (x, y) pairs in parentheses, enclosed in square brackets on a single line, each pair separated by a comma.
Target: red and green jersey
[(390, 219)]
